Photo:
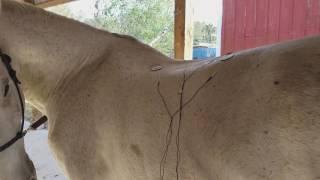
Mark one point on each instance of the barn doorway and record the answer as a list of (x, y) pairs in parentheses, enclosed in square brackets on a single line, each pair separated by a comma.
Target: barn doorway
[(207, 29)]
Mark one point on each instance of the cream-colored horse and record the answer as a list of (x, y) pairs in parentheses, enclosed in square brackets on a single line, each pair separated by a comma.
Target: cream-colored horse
[(121, 110), (14, 162)]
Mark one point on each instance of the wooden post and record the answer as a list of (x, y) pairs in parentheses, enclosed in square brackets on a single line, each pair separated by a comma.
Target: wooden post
[(183, 33)]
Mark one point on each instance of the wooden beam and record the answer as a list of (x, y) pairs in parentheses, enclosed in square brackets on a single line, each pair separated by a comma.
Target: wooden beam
[(183, 33), (52, 3), (47, 3), (28, 1), (179, 27)]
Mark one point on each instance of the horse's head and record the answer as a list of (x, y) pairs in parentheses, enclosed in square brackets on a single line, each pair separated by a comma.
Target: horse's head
[(14, 161)]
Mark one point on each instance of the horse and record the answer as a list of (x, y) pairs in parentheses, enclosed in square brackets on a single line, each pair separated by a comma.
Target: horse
[(15, 163), (118, 109)]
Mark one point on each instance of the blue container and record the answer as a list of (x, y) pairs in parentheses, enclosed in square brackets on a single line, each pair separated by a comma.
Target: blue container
[(203, 52)]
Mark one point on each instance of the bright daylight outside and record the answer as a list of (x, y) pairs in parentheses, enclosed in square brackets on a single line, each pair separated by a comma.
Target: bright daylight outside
[(150, 21)]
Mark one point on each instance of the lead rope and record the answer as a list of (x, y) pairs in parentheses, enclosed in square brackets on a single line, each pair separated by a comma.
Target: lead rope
[(6, 60)]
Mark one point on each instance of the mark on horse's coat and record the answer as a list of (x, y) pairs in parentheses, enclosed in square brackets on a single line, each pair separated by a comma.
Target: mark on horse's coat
[(135, 148), (276, 82), (182, 105), (5, 82), (6, 90), (227, 57), (156, 67)]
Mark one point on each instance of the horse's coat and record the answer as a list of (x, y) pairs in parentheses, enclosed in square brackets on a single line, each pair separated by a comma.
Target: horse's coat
[(252, 116)]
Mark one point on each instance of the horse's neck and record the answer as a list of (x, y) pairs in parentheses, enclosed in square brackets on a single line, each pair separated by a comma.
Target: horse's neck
[(51, 48), (48, 47)]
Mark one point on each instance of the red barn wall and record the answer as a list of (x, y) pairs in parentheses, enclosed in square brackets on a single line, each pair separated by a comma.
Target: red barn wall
[(252, 23)]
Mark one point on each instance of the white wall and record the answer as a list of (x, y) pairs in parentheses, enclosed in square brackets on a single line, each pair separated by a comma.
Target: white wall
[(219, 4)]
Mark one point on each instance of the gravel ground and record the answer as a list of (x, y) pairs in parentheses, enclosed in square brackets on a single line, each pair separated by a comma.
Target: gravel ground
[(39, 152)]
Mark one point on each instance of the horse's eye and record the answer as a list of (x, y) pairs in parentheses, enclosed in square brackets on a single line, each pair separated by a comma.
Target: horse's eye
[(6, 90)]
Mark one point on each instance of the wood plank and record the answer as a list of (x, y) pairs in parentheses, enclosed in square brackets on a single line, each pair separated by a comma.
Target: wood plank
[(228, 27), (183, 34), (47, 3), (52, 3), (179, 28), (316, 11), (274, 21), (262, 10), (250, 23), (299, 18), (28, 1), (313, 17), (271, 21), (240, 8), (286, 19)]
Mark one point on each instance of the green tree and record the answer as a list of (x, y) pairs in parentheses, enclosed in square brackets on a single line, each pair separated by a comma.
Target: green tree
[(150, 21), (209, 33), (204, 33)]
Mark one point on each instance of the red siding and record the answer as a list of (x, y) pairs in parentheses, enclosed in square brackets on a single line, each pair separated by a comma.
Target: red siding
[(251, 23)]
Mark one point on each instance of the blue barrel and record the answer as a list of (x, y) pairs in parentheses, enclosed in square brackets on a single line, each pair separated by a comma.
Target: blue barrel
[(203, 52)]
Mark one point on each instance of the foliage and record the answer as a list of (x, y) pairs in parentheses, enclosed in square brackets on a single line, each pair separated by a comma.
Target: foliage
[(150, 21), (204, 33)]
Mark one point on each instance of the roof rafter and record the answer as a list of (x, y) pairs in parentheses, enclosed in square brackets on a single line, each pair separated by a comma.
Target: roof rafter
[(47, 3)]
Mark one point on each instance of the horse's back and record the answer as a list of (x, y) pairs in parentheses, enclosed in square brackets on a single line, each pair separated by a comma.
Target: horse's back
[(260, 119)]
